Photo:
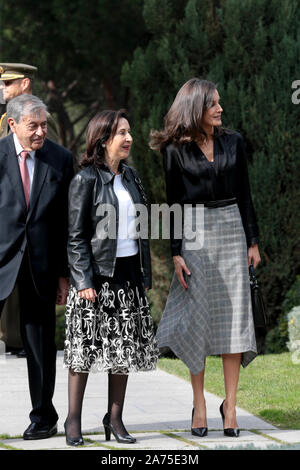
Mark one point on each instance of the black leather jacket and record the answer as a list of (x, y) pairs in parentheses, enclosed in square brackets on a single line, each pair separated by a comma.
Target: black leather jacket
[(88, 253)]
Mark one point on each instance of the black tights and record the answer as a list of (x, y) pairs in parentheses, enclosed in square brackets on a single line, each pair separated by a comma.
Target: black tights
[(116, 394)]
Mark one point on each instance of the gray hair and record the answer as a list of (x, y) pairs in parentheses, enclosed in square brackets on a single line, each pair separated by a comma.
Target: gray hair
[(23, 105)]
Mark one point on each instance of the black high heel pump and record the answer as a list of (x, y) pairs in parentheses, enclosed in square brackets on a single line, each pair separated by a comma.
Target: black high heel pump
[(73, 441), (108, 428), (230, 432), (200, 432)]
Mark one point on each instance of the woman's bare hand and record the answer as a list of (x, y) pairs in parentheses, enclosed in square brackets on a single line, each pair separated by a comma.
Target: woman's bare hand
[(180, 269), (88, 294), (253, 256)]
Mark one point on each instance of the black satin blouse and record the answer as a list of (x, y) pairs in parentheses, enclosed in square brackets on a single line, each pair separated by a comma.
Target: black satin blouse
[(191, 178)]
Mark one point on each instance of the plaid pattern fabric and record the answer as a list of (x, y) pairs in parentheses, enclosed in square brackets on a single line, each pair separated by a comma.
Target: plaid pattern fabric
[(214, 315)]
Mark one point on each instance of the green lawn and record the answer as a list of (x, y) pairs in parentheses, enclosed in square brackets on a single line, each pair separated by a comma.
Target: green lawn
[(269, 387)]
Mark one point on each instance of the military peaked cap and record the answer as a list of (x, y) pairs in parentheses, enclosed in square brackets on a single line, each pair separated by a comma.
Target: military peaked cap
[(13, 71)]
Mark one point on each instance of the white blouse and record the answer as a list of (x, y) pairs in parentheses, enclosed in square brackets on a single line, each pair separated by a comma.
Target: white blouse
[(127, 244)]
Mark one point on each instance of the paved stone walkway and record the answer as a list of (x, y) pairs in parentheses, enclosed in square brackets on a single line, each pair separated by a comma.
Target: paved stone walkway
[(157, 412)]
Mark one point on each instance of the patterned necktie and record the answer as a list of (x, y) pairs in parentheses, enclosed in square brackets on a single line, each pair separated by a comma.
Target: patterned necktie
[(25, 175)]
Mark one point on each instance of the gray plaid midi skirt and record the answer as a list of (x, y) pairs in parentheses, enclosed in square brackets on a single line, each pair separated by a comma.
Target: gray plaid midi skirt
[(214, 315)]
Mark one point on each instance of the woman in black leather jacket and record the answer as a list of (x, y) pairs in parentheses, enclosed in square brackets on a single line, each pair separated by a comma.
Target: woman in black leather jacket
[(108, 322), (208, 310)]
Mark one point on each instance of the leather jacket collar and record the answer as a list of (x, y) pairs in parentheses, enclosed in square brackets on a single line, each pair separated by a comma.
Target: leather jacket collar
[(107, 174)]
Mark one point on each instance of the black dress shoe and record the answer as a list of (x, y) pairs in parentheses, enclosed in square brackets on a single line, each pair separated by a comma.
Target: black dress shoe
[(21, 353), (229, 432), (199, 432), (39, 431), (73, 441), (12, 351), (108, 428)]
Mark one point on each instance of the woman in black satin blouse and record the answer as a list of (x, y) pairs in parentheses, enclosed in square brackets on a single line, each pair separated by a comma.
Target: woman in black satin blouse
[(208, 310)]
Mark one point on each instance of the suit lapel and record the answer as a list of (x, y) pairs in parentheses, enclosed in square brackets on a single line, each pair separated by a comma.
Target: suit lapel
[(11, 164), (40, 170)]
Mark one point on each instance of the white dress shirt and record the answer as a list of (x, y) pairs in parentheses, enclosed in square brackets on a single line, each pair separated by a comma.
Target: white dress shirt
[(30, 160)]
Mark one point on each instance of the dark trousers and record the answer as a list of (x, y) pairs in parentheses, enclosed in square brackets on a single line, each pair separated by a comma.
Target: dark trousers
[(37, 323)]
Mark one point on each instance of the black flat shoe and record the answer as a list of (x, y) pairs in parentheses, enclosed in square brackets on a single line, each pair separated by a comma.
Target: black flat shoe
[(39, 431), (108, 428), (73, 441), (199, 432), (229, 432)]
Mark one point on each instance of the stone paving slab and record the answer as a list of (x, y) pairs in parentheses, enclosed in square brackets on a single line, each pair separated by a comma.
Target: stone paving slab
[(52, 443), (222, 445), (145, 441), (290, 436), (148, 441), (156, 441), (157, 412), (217, 438)]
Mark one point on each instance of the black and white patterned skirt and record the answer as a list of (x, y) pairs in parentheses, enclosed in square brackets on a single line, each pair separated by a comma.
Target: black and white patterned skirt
[(115, 333)]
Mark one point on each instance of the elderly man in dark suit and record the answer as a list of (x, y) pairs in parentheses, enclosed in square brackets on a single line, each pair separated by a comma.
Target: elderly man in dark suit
[(15, 80), (34, 178)]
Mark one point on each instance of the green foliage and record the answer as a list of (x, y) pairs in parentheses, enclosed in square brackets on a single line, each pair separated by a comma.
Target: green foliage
[(79, 48), (180, 48), (251, 49), (79, 40), (277, 337), (292, 298)]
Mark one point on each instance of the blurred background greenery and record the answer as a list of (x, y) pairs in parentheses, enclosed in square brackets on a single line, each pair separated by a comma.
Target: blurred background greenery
[(99, 54)]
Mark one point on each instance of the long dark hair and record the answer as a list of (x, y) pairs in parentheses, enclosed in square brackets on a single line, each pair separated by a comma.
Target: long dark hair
[(183, 120), (100, 129)]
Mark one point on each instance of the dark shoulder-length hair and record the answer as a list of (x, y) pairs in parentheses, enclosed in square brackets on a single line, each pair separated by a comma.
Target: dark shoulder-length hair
[(101, 128), (183, 121)]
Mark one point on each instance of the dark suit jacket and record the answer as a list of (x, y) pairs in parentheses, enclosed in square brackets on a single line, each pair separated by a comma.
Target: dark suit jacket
[(43, 228)]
